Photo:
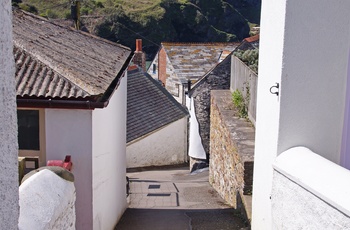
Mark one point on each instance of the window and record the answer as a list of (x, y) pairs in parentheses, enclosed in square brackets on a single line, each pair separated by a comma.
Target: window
[(28, 129), (175, 92), (31, 135)]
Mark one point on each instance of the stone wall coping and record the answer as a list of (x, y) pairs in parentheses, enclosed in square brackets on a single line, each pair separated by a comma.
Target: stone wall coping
[(321, 177), (242, 132)]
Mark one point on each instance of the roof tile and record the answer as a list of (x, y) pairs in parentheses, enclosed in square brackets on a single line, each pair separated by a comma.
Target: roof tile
[(195, 59), (57, 61), (149, 106)]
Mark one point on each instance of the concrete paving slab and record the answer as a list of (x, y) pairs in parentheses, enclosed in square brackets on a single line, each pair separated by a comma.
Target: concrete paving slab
[(176, 199)]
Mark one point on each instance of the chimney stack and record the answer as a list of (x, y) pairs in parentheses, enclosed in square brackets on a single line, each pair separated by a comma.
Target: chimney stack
[(139, 56), (138, 45)]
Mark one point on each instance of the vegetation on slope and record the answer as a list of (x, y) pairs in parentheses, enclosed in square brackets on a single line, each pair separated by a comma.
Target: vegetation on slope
[(158, 20)]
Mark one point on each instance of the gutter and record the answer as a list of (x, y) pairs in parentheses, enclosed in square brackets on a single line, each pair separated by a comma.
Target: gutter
[(59, 104)]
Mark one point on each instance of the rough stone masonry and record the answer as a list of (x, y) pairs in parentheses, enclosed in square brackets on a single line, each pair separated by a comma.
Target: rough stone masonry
[(231, 149)]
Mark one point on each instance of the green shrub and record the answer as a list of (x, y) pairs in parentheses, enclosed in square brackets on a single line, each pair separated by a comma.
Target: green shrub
[(51, 14), (67, 14), (29, 8), (249, 57), (239, 103), (99, 4), (85, 11)]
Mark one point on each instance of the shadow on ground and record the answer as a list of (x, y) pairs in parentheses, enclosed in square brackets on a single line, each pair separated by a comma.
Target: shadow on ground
[(176, 219)]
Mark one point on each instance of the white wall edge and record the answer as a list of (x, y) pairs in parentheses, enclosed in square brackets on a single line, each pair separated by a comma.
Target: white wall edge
[(323, 178)]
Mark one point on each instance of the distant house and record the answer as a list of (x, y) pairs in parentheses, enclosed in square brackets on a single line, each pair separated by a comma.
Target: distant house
[(218, 77), (156, 124), (176, 64), (71, 97), (249, 43), (302, 147)]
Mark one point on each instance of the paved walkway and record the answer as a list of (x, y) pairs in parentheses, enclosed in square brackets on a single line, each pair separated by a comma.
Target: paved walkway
[(175, 199)]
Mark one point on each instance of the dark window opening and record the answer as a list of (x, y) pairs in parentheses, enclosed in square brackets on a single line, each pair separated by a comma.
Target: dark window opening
[(28, 129)]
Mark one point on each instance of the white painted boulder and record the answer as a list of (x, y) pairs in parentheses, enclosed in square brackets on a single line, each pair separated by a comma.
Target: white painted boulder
[(46, 201)]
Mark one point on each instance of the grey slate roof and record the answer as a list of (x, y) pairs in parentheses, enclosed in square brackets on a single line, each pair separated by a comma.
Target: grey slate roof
[(193, 60), (247, 43), (60, 62), (149, 105)]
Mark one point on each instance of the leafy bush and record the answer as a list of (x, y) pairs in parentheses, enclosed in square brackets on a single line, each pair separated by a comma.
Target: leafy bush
[(240, 105), (249, 57), (67, 14), (51, 14), (29, 8), (99, 4), (86, 10)]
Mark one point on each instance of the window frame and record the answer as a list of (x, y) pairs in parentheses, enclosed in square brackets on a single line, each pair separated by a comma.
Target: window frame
[(41, 153)]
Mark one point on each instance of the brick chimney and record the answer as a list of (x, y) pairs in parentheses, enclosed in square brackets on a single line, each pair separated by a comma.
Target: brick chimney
[(139, 56)]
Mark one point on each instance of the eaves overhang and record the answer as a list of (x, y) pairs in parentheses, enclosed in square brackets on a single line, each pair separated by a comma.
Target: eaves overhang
[(89, 103)]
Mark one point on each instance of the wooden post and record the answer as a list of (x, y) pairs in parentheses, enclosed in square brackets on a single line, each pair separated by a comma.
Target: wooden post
[(75, 13)]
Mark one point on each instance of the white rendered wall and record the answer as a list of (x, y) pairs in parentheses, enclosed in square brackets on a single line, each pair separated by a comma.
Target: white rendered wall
[(309, 192), (154, 75), (314, 76), (267, 118), (108, 162), (299, 49), (165, 146), (69, 132), (47, 202), (9, 209)]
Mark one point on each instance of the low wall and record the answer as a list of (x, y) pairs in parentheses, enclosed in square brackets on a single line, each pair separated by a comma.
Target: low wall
[(309, 192), (246, 81), (46, 201), (231, 149)]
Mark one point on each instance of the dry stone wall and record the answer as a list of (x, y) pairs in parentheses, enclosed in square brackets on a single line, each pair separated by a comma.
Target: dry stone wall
[(231, 149)]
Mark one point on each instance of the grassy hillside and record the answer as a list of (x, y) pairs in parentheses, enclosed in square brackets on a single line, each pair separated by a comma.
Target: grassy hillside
[(158, 20)]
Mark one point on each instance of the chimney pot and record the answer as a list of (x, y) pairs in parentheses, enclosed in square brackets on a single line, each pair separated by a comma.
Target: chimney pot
[(138, 45)]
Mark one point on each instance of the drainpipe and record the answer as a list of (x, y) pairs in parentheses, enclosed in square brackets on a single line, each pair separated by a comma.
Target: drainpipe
[(189, 85)]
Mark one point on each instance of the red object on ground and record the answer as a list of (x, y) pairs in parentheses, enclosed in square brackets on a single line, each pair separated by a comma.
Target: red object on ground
[(67, 163)]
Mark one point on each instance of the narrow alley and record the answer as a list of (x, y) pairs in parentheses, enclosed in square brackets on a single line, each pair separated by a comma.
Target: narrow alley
[(175, 199)]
